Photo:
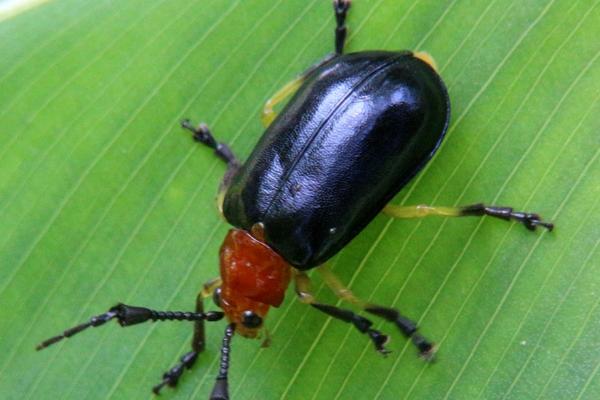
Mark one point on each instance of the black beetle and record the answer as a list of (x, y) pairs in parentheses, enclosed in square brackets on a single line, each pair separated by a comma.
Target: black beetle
[(358, 127)]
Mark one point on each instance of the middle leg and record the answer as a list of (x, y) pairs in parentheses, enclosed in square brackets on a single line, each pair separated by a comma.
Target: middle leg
[(530, 220), (405, 325), (362, 324)]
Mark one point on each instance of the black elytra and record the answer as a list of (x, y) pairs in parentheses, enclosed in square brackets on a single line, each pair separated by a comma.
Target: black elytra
[(358, 129)]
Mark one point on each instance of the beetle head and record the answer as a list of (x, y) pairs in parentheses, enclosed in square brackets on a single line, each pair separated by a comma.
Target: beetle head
[(254, 278)]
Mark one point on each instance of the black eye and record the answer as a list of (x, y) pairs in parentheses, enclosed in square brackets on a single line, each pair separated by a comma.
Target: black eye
[(217, 297), (251, 320)]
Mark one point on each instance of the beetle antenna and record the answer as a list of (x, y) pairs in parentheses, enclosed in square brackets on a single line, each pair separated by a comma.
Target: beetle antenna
[(130, 315), (220, 390), (94, 321)]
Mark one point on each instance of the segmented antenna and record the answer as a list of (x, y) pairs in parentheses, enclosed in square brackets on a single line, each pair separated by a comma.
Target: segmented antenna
[(131, 315), (220, 390), (94, 321)]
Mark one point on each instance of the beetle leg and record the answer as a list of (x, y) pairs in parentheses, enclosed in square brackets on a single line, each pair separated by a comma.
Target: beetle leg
[(363, 325), (340, 8), (203, 135), (268, 113), (131, 315), (530, 220), (171, 377), (406, 326), (210, 286)]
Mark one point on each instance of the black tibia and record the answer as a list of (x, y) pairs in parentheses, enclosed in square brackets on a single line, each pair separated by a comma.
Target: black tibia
[(203, 135), (171, 377), (406, 326), (362, 324), (341, 9), (199, 339), (530, 220), (220, 390)]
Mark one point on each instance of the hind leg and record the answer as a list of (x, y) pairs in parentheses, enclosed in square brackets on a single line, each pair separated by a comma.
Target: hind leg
[(268, 113), (340, 8), (530, 220)]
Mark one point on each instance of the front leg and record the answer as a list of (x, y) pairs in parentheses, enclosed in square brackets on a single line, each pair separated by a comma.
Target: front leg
[(171, 377), (131, 315), (187, 361)]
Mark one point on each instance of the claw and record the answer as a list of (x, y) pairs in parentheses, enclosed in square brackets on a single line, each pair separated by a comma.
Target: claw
[(186, 124), (171, 377), (535, 221), (429, 356), (200, 134), (379, 341), (530, 220), (341, 5), (156, 389), (426, 349)]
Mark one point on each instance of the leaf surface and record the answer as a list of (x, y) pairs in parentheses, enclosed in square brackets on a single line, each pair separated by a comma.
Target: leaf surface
[(103, 198)]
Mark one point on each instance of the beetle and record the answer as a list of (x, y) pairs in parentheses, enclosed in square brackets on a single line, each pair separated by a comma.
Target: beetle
[(357, 129)]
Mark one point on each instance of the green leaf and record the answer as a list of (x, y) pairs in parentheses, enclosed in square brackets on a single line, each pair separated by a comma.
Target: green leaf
[(103, 198)]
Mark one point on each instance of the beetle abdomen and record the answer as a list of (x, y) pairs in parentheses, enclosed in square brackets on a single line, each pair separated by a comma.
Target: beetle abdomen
[(357, 131)]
